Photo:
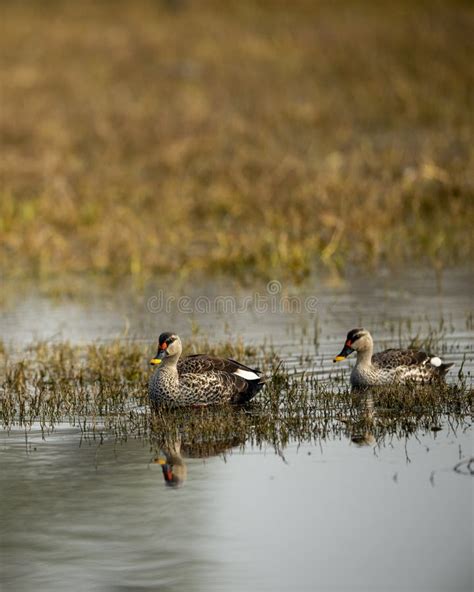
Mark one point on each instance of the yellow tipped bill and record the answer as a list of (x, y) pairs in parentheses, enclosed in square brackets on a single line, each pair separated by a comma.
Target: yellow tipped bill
[(346, 351)]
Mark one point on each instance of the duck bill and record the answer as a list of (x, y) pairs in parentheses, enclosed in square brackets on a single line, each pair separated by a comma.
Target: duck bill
[(166, 467), (167, 472), (158, 358), (346, 351)]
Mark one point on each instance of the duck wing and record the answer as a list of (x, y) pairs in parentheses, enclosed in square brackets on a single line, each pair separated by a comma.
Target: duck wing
[(394, 358), (203, 364), (241, 382)]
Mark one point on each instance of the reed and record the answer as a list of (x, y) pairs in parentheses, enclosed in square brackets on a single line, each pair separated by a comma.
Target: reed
[(102, 389)]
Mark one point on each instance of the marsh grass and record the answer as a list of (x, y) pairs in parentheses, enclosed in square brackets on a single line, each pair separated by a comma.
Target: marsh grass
[(102, 389), (246, 137)]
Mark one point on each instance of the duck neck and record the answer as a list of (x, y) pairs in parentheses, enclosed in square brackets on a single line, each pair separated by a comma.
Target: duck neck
[(170, 365), (364, 357), (174, 458)]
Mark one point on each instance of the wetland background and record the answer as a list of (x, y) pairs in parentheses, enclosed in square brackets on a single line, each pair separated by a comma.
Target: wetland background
[(309, 152)]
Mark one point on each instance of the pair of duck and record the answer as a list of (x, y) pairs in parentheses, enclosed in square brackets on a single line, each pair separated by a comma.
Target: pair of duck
[(206, 380)]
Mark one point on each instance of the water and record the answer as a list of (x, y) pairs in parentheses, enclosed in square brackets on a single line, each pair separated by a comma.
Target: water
[(338, 517), (307, 325), (341, 513)]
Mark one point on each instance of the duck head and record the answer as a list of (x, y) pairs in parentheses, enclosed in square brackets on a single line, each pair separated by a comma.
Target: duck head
[(169, 347), (174, 475), (358, 340)]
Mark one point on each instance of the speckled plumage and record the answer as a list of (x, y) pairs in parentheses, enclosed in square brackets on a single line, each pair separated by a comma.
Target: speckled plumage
[(392, 366), (199, 379)]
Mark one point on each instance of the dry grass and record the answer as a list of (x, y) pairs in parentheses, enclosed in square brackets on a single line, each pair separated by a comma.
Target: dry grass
[(245, 137)]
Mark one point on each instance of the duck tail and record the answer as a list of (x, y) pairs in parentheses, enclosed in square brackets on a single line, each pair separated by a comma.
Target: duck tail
[(253, 387), (444, 368)]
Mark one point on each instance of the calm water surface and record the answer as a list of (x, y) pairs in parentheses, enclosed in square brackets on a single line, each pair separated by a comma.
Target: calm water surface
[(331, 516)]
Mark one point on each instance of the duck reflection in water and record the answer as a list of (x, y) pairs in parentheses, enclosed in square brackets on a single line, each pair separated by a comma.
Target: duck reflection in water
[(173, 464), (175, 471), (360, 428)]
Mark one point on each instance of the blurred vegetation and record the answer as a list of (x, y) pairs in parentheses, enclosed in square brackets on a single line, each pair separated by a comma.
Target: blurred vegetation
[(246, 137)]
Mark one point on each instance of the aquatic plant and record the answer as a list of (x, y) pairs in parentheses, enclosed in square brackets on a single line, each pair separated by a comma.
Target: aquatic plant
[(102, 389)]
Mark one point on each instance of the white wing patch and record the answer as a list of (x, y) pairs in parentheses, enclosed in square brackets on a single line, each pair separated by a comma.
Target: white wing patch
[(246, 374), (436, 361)]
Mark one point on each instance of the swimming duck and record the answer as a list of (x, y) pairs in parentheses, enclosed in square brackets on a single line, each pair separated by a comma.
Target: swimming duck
[(392, 366), (199, 379)]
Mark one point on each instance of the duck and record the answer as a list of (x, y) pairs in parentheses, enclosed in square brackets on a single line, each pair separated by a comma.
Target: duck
[(392, 366), (200, 379)]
